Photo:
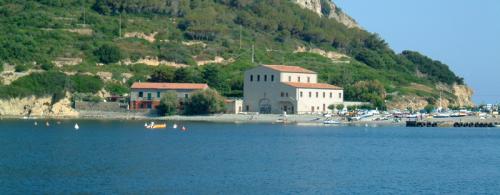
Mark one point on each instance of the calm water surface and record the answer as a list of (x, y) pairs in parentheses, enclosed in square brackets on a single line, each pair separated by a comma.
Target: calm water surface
[(123, 157)]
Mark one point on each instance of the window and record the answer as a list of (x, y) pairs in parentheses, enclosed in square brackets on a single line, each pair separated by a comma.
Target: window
[(251, 78), (340, 95), (310, 94), (141, 94), (298, 79), (272, 78), (317, 96), (324, 94), (158, 94), (289, 78), (247, 108), (186, 96), (282, 94), (301, 94), (331, 95), (258, 78), (286, 94), (308, 79), (265, 78), (149, 96)]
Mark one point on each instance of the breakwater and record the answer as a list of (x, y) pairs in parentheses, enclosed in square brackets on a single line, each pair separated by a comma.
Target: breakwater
[(470, 124)]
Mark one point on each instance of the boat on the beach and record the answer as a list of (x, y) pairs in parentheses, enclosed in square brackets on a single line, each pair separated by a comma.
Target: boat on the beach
[(442, 115), (331, 122)]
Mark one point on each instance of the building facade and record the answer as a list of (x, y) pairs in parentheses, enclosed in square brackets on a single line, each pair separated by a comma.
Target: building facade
[(274, 89), (146, 96)]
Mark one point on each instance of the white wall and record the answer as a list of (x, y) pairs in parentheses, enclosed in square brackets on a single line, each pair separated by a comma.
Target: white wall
[(305, 103), (261, 90), (294, 77)]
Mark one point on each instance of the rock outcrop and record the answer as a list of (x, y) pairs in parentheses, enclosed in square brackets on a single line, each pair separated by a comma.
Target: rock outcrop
[(37, 107), (464, 95), (333, 12)]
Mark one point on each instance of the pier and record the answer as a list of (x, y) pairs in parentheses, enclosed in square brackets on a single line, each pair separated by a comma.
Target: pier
[(451, 124)]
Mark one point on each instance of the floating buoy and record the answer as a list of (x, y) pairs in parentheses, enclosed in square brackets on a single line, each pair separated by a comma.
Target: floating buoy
[(184, 128), (36, 124), (47, 123), (76, 126), (58, 122), (175, 126)]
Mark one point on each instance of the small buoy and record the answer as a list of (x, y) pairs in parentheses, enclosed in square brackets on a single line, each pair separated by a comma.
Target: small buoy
[(36, 124), (183, 128), (366, 125), (58, 122), (175, 126), (47, 124), (76, 126)]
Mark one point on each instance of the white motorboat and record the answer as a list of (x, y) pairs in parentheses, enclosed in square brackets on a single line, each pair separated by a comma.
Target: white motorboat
[(331, 122)]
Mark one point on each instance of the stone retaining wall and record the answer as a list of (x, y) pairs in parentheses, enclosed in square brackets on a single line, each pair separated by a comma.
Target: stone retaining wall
[(101, 106)]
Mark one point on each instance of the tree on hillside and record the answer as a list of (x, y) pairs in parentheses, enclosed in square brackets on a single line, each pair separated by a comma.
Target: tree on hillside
[(168, 104), (205, 102), (86, 83), (108, 54), (163, 74), (186, 75), (215, 77)]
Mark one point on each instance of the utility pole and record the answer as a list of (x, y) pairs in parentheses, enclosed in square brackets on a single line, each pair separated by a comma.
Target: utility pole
[(120, 30), (253, 53), (240, 36), (84, 17)]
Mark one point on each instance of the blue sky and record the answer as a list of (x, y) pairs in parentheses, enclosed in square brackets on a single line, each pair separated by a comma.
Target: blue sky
[(463, 34)]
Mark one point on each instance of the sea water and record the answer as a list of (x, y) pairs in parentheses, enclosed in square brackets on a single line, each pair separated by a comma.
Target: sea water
[(120, 157)]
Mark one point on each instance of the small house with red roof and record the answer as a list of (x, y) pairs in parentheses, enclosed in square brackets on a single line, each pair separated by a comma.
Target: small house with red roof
[(274, 89), (146, 96)]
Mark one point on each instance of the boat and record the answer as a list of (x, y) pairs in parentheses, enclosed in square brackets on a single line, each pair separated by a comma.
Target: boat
[(159, 126), (331, 122), (442, 115), (152, 125)]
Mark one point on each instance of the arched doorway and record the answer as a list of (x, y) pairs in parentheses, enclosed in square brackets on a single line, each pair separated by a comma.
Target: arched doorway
[(287, 107), (265, 106)]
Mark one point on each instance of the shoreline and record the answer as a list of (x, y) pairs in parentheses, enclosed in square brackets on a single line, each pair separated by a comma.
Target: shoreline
[(241, 119)]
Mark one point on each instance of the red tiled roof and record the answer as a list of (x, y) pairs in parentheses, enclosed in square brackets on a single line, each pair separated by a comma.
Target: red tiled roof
[(313, 85), (292, 69), (191, 86)]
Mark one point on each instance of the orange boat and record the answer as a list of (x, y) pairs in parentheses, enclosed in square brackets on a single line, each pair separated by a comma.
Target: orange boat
[(157, 126)]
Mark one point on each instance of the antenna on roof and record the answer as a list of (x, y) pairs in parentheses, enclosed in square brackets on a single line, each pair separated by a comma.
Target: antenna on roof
[(253, 53)]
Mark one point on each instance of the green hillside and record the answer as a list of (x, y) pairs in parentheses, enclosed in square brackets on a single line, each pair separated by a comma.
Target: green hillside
[(34, 35)]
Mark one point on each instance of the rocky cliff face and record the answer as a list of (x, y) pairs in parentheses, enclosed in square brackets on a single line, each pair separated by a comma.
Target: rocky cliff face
[(464, 95), (333, 11), (36, 107)]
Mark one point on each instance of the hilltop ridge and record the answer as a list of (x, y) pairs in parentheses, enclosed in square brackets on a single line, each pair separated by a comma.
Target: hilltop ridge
[(112, 43), (328, 9)]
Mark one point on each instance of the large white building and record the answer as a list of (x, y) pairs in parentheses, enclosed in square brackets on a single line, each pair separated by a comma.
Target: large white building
[(274, 89)]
